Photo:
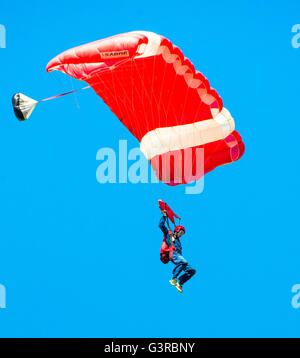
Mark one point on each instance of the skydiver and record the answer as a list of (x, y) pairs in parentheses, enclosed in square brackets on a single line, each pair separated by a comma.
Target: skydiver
[(175, 253)]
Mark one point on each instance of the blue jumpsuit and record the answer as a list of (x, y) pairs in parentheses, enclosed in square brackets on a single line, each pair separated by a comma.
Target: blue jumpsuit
[(180, 262)]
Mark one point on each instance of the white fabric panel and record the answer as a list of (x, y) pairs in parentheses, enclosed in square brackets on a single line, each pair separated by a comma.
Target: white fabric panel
[(163, 140)]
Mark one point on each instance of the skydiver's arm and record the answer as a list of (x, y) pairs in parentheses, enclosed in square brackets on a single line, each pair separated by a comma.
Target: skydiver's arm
[(164, 229), (162, 226)]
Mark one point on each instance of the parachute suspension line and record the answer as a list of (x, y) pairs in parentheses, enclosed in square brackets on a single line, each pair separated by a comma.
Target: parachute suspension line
[(75, 100), (138, 94), (122, 103), (132, 96), (160, 102), (141, 96), (148, 97), (63, 94), (111, 91), (124, 99), (166, 208), (61, 84), (172, 90), (152, 88), (144, 94)]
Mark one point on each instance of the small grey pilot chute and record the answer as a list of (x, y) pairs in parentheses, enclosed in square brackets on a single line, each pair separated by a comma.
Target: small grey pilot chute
[(23, 106)]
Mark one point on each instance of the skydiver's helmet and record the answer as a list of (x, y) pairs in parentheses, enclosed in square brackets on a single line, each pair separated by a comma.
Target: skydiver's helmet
[(178, 228)]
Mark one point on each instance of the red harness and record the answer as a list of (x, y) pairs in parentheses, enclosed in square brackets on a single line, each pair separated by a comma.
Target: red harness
[(166, 252)]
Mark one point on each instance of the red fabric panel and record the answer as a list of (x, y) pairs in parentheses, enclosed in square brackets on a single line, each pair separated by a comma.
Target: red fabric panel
[(78, 61)]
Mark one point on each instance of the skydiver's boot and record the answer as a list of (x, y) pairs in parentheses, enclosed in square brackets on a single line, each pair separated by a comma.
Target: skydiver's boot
[(173, 281), (179, 287)]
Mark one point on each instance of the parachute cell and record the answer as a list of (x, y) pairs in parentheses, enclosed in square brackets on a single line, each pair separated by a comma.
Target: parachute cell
[(162, 100)]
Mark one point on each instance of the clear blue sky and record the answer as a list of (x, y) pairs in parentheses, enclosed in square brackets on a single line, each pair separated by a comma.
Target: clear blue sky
[(81, 259)]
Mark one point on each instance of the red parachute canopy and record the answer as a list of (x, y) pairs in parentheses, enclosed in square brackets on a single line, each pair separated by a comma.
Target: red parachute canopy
[(163, 101), (164, 206)]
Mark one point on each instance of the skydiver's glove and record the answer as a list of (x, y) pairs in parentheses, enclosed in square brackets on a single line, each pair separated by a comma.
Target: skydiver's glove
[(164, 212)]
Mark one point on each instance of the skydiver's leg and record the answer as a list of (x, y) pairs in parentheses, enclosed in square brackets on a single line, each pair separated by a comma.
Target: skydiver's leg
[(189, 273), (177, 270), (180, 263)]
